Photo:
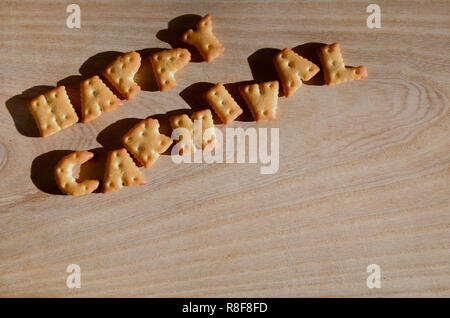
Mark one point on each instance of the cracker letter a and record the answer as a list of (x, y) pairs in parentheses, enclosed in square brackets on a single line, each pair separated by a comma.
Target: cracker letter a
[(292, 69), (121, 171), (121, 74), (96, 98)]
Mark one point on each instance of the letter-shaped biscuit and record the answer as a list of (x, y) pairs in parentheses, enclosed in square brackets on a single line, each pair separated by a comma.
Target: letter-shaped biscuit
[(121, 74), (64, 178), (207, 122), (262, 99), (223, 103), (333, 66), (53, 111), (292, 69), (121, 171), (145, 142), (96, 98), (204, 40), (183, 121), (166, 63)]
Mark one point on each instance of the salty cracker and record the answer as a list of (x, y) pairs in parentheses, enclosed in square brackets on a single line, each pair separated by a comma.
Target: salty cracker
[(120, 74), (166, 63), (120, 170), (223, 103), (53, 111), (204, 40), (64, 178), (96, 98), (183, 121), (262, 99), (145, 142), (292, 69), (209, 137), (333, 66)]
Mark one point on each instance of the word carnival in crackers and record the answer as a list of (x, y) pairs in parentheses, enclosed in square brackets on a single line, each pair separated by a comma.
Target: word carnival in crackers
[(53, 111)]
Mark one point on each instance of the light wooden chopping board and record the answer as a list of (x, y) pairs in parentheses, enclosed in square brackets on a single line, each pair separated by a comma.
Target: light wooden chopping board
[(364, 175)]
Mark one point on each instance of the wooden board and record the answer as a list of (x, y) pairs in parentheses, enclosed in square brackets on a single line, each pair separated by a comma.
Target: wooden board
[(364, 175)]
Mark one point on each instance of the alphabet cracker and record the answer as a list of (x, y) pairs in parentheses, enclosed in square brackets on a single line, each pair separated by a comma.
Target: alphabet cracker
[(292, 69), (262, 99), (64, 178), (96, 98), (145, 142), (121, 171), (53, 111), (166, 63), (204, 40), (121, 74), (223, 103), (183, 121), (333, 66), (207, 122)]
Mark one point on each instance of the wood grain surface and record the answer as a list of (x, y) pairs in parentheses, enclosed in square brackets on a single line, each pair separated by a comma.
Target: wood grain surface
[(364, 170)]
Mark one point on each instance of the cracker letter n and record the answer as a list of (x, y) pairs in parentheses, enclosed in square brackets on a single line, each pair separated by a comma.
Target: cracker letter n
[(262, 99), (145, 142), (166, 63), (121, 74), (64, 178), (208, 133), (333, 66), (292, 69), (53, 111), (183, 121), (223, 103), (204, 40), (121, 171), (96, 98)]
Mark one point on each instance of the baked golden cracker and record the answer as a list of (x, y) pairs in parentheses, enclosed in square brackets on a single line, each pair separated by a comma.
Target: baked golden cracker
[(121, 74), (121, 171), (223, 103), (53, 111), (208, 132), (262, 99), (64, 178), (185, 145), (292, 69), (145, 142), (204, 40), (166, 63), (334, 69), (96, 98)]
